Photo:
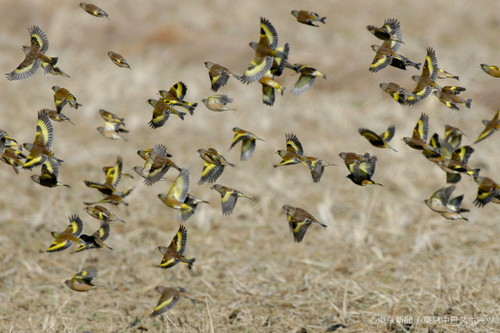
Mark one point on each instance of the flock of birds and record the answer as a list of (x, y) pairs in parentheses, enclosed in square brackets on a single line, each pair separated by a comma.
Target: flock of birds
[(268, 63)]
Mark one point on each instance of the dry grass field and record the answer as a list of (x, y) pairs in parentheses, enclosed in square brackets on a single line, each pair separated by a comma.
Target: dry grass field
[(385, 259)]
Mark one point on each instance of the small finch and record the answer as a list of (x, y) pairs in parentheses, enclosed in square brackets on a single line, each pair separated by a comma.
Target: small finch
[(62, 96), (306, 79), (34, 56), (248, 140), (69, 236), (426, 79), (93, 10), (178, 192), (308, 17), (49, 174), (299, 220), (113, 126), (213, 166), (390, 31), (118, 59), (39, 150), (491, 70), (174, 253), (316, 166), (294, 152), (157, 163), (102, 213), (218, 103), (229, 197), (399, 94), (269, 88), (96, 240), (491, 126), (265, 52), (379, 140), (168, 299), (441, 203), (219, 75), (82, 281)]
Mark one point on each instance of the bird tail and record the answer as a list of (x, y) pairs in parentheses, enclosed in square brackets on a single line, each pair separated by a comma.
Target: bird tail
[(468, 103), (189, 262), (53, 60), (322, 224), (474, 173), (323, 20)]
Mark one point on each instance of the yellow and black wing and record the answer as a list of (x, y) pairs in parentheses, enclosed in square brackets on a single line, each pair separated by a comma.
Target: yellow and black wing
[(166, 302), (293, 144), (180, 186)]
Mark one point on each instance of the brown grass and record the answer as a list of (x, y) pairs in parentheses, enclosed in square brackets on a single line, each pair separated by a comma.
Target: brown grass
[(384, 253)]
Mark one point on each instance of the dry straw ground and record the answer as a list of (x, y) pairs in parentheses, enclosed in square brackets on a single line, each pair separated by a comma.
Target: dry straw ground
[(384, 253)]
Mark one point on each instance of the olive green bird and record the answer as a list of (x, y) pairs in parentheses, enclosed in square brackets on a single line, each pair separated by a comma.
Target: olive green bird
[(229, 197), (379, 140), (178, 192), (448, 95), (248, 142), (96, 240), (175, 96), (418, 139), (218, 103), (82, 281), (113, 176), (491, 126), (426, 80), (62, 96), (306, 79), (10, 151), (316, 166), (58, 116), (307, 17), (113, 126), (12, 157), (219, 75), (34, 56), (299, 221), (454, 161), (157, 163), (293, 154), (213, 166), (389, 31), (398, 93), (487, 191), (118, 60), (265, 52), (115, 198), (269, 88), (161, 113), (102, 213), (168, 299), (93, 10), (441, 203), (174, 253), (491, 70), (350, 159), (49, 174), (361, 168), (39, 150), (69, 236), (384, 53)]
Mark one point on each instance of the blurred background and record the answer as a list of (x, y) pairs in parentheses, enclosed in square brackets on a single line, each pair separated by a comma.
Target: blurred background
[(384, 252)]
